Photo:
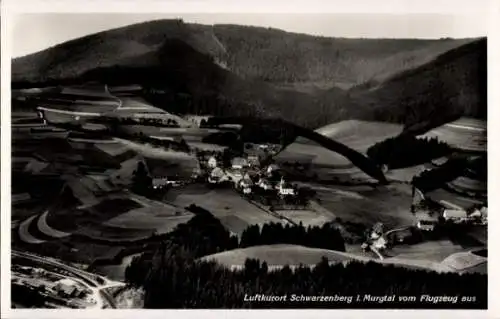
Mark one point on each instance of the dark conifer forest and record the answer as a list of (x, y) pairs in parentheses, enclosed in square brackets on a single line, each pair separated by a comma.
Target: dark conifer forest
[(173, 276)]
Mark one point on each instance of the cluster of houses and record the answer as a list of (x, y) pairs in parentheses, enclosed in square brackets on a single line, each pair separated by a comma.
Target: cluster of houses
[(376, 241), (247, 175), (65, 290), (433, 209), (69, 289)]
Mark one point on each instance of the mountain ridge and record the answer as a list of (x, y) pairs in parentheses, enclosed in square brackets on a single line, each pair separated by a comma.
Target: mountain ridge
[(221, 70)]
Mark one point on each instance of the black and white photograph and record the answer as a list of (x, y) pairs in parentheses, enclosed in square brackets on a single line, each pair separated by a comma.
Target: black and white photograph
[(171, 160)]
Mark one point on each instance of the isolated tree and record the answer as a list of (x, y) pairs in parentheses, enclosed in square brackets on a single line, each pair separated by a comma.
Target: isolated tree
[(142, 183)]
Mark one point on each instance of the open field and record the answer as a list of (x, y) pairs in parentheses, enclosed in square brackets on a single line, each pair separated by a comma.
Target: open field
[(432, 250), (387, 204), (206, 147), (158, 152), (102, 232), (468, 186), (87, 253), (159, 219), (360, 135), (406, 174), (467, 262), (98, 107), (465, 134), (25, 234), (328, 165), (447, 197), (129, 106), (116, 272), (277, 255), (112, 149), (313, 154), (234, 212), (307, 217), (45, 228), (280, 255), (117, 217)]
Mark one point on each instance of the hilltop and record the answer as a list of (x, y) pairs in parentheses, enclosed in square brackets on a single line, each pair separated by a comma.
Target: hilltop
[(250, 71)]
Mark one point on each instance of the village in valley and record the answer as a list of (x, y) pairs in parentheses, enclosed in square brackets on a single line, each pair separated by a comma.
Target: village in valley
[(155, 187), (148, 177)]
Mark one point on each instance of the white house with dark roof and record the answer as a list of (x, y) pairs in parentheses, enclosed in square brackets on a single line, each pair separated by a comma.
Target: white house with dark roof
[(239, 163), (285, 189), (272, 168), (212, 162), (265, 184)]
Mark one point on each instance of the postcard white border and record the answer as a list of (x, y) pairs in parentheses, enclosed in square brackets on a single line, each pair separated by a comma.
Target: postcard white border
[(489, 9)]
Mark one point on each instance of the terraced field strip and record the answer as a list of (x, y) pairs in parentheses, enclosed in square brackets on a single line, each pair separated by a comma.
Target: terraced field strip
[(274, 214), (24, 233), (44, 228), (466, 134)]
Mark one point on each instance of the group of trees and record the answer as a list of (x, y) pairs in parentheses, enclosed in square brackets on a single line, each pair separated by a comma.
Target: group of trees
[(326, 237), (27, 297), (141, 121), (228, 138), (406, 150), (280, 57), (173, 276), (174, 282), (437, 177), (203, 234), (179, 144), (142, 182)]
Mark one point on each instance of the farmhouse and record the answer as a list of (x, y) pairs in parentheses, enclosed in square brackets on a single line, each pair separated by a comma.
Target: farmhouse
[(163, 173), (253, 160), (426, 225), (439, 161), (239, 163), (285, 189), (271, 169), (212, 162), (217, 175), (234, 175), (446, 199), (380, 243), (265, 184), (245, 184), (456, 215), (68, 288)]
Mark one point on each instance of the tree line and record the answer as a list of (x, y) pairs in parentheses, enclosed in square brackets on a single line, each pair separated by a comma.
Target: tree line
[(173, 281), (436, 178), (405, 150), (326, 236), (173, 276)]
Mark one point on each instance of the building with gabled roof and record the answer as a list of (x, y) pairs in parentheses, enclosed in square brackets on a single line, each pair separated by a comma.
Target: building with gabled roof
[(239, 163)]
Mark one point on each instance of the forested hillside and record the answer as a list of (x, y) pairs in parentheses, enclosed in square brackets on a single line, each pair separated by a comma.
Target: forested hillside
[(251, 52), (249, 71), (450, 86), (282, 57), (173, 276)]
